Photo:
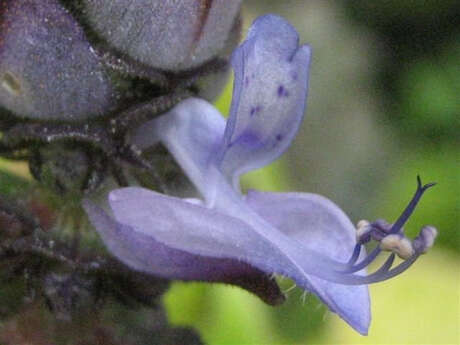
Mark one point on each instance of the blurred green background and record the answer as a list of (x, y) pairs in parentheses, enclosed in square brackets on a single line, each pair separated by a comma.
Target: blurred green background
[(383, 107)]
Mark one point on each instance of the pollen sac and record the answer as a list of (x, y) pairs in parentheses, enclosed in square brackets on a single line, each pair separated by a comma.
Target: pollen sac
[(47, 68), (398, 244), (425, 239), (165, 34)]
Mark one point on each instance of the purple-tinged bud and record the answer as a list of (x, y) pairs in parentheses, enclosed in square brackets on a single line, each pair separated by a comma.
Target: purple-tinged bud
[(165, 34), (47, 68)]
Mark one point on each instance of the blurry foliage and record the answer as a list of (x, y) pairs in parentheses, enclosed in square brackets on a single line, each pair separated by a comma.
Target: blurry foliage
[(12, 185), (419, 307), (408, 28), (429, 90), (439, 207), (419, 66), (301, 318), (421, 83)]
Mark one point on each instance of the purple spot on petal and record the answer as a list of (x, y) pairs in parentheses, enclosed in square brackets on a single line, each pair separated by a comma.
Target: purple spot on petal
[(282, 92), (295, 76), (246, 81), (249, 139), (255, 110), (279, 137)]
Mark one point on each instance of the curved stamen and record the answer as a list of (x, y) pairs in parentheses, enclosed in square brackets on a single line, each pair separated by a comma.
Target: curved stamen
[(386, 237), (383, 273), (378, 277), (420, 245), (411, 206), (363, 263), (354, 257), (387, 265)]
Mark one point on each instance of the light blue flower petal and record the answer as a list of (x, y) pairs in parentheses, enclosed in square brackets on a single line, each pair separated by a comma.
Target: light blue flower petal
[(143, 253), (319, 224), (269, 96), (207, 232), (185, 225), (192, 131), (192, 227)]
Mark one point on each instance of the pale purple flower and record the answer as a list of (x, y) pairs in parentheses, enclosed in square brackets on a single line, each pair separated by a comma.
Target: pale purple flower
[(241, 239)]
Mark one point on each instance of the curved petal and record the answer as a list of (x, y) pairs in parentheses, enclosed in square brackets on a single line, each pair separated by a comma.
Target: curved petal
[(185, 225), (211, 232), (143, 253), (192, 131), (319, 224), (269, 96), (47, 67)]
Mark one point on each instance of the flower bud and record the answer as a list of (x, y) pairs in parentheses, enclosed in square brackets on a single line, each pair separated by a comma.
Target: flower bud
[(47, 68), (165, 34)]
